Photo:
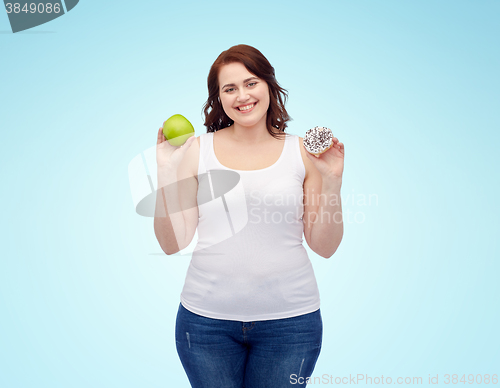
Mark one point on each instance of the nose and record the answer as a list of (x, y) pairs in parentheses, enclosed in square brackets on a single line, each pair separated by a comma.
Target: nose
[(242, 96)]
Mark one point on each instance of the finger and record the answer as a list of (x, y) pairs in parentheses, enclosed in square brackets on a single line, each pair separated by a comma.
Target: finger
[(189, 141), (186, 145), (158, 140), (161, 135)]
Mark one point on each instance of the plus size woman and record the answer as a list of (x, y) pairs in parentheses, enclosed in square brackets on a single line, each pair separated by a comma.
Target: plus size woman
[(249, 313)]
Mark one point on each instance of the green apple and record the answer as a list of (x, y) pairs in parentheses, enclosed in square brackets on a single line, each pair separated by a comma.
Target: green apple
[(177, 129)]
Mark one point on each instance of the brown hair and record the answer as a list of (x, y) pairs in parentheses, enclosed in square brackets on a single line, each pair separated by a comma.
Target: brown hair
[(257, 64)]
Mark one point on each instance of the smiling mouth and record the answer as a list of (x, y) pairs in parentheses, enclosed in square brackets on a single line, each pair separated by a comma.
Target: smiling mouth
[(246, 107)]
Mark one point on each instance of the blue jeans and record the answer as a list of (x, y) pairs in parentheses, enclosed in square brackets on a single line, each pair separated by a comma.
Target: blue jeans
[(277, 353)]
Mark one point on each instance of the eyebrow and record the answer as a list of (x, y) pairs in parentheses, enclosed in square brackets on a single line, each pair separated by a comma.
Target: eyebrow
[(244, 81)]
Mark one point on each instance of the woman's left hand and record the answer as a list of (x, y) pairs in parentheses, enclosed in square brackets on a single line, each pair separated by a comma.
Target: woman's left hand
[(330, 164)]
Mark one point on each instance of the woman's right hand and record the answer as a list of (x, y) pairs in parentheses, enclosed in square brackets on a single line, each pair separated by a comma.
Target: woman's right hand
[(169, 157)]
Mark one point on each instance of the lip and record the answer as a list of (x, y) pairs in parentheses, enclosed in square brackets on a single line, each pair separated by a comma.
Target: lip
[(246, 111)]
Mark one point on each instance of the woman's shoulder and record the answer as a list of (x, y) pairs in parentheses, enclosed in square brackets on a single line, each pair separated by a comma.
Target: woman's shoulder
[(307, 163)]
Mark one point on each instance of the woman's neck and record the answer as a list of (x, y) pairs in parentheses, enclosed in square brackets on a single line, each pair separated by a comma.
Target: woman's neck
[(256, 134)]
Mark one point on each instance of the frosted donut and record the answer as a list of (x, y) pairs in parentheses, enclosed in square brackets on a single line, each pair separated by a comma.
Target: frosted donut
[(318, 140)]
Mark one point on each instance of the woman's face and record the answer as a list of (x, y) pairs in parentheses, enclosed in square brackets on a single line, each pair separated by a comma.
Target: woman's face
[(244, 96)]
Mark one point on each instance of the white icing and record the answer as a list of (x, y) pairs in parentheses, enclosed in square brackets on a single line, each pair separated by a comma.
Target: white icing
[(318, 139)]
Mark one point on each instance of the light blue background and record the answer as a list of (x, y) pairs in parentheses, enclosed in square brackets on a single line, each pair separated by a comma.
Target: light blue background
[(411, 88)]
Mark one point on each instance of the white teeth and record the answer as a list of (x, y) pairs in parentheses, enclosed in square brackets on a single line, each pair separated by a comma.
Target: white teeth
[(247, 107)]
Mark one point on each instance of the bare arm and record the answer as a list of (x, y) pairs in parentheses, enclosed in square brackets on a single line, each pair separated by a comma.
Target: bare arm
[(323, 221), (327, 228), (170, 221), (169, 225)]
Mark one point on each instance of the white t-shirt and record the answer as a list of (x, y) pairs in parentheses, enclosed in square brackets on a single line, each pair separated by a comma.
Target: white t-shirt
[(249, 263)]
